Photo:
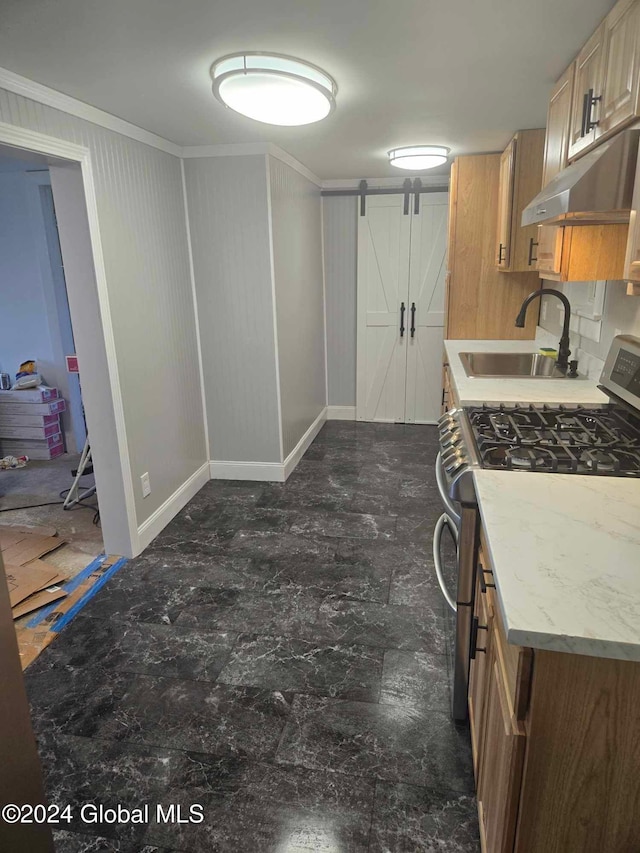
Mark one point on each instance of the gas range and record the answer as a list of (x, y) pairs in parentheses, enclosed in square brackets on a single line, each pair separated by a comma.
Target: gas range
[(595, 441)]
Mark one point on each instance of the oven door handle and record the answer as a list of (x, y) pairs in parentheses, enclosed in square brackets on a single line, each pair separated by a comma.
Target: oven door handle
[(441, 523), (442, 488)]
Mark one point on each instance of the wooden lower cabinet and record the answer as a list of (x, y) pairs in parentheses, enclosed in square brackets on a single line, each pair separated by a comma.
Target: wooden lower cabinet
[(556, 744), (502, 760)]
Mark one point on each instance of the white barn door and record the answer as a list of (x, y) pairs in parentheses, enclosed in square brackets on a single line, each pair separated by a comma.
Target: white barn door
[(401, 262), (426, 308), (384, 235)]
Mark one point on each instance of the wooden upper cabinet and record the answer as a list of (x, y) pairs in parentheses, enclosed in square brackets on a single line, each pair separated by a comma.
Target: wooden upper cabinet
[(587, 86), (632, 257), (620, 102), (556, 145), (520, 181), (581, 252), (505, 204)]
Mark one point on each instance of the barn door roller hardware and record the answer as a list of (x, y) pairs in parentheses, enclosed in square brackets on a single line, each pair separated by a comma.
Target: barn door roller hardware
[(363, 190)]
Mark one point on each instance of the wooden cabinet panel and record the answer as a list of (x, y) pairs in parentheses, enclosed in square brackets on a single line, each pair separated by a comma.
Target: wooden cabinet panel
[(588, 78), (549, 251), (558, 126), (582, 252), (478, 677), (505, 204), (520, 181), (632, 255), (502, 761), (581, 783), (621, 68), (482, 301)]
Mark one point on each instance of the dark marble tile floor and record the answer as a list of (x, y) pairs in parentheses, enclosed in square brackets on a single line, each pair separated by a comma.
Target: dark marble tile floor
[(279, 656)]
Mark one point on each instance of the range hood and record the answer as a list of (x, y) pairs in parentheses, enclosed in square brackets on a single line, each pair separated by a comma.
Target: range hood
[(596, 189)]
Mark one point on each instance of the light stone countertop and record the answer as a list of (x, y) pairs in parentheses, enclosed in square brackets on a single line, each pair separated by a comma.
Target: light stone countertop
[(565, 548), (473, 391), (566, 555)]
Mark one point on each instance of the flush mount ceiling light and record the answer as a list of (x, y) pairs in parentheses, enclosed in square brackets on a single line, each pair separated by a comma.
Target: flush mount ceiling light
[(273, 89), (418, 157)]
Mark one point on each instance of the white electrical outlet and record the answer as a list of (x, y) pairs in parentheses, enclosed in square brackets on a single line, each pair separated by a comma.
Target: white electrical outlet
[(146, 485)]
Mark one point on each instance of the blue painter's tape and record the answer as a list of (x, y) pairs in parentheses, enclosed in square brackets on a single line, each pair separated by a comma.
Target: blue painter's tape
[(77, 607), (68, 587)]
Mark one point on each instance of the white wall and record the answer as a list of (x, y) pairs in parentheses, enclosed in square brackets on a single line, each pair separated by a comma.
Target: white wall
[(229, 223), (144, 240), (340, 216), (296, 217), (29, 318), (621, 316), (24, 319)]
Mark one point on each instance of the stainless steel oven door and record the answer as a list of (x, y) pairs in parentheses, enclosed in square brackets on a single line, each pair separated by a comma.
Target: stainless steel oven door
[(463, 523)]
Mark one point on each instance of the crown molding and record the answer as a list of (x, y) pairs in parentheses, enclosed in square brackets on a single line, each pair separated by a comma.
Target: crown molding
[(382, 183), (51, 98)]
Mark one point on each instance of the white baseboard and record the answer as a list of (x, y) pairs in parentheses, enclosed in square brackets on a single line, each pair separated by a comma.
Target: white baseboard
[(271, 472), (262, 471), (156, 522), (341, 413), (302, 446)]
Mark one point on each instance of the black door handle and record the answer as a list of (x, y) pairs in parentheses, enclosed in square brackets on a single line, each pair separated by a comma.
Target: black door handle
[(402, 310), (591, 100), (532, 243), (500, 251), (413, 319), (585, 109)]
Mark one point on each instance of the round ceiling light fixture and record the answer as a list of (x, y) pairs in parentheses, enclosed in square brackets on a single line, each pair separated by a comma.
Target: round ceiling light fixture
[(274, 89), (418, 157)]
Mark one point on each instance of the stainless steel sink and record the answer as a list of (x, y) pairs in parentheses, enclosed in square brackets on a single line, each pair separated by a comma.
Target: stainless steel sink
[(525, 365)]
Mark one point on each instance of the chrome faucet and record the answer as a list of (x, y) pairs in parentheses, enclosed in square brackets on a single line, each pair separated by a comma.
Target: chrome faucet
[(563, 349)]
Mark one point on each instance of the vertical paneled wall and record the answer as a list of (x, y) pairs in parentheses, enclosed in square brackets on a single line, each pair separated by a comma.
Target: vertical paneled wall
[(340, 269), (144, 238), (296, 211), (229, 223)]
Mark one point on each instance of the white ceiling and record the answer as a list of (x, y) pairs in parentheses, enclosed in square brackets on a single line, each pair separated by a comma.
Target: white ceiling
[(460, 73)]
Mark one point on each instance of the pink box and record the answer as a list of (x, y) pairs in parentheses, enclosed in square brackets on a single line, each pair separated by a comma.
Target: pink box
[(23, 432), (27, 420), (17, 447), (30, 395), (38, 453), (53, 407)]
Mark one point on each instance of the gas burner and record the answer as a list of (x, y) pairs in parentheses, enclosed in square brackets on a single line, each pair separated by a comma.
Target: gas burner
[(602, 441), (600, 462)]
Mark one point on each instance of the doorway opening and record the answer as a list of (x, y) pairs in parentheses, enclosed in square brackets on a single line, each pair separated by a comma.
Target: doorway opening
[(53, 506), (42, 428)]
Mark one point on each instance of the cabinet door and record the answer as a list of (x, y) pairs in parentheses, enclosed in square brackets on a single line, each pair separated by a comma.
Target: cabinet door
[(425, 323), (558, 124), (505, 205), (383, 293), (502, 761), (478, 675), (588, 79), (621, 68), (549, 251)]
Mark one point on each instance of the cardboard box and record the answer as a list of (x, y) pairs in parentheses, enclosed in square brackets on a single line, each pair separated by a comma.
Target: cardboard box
[(53, 407), (39, 599), (26, 444), (27, 420), (42, 452), (35, 432), (23, 581), (41, 394)]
